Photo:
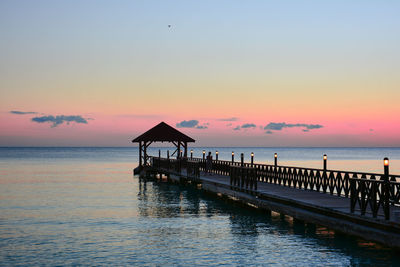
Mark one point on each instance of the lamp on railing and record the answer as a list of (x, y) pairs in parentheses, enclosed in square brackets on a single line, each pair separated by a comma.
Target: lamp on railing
[(204, 154), (233, 156), (386, 194), (325, 158), (216, 155), (252, 158), (191, 153), (181, 154), (386, 168), (276, 159), (241, 159)]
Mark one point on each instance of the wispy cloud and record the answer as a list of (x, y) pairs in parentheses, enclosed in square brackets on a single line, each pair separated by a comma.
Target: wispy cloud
[(229, 119), (248, 125), (17, 112), (57, 120), (245, 126), (192, 124), (278, 126), (201, 127)]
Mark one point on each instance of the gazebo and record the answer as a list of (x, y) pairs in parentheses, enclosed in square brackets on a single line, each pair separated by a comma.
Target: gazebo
[(162, 132)]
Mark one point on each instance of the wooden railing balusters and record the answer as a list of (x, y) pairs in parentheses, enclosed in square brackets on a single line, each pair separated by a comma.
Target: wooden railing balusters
[(366, 192)]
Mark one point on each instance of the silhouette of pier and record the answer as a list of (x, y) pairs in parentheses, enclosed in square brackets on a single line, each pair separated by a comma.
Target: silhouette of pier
[(357, 203)]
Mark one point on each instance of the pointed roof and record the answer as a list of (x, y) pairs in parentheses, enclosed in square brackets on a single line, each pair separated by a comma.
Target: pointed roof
[(162, 132)]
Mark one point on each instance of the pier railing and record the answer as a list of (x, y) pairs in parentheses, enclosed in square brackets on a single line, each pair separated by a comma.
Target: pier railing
[(369, 193), (191, 167), (243, 178)]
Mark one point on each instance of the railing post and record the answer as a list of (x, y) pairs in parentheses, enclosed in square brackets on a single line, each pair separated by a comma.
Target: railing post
[(276, 166), (325, 181), (387, 188), (159, 158), (216, 155), (255, 184), (233, 156), (167, 154), (231, 176), (252, 159), (241, 159), (364, 196), (353, 197), (204, 154), (246, 177)]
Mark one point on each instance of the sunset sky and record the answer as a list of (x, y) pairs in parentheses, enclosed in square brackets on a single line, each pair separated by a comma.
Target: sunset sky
[(227, 73)]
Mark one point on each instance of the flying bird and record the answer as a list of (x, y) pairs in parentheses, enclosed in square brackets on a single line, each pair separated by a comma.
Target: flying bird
[(169, 25)]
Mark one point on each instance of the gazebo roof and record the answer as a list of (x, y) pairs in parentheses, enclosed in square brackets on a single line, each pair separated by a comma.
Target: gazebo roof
[(162, 132)]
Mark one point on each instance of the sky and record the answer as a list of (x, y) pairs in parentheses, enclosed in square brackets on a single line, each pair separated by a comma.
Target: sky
[(227, 73)]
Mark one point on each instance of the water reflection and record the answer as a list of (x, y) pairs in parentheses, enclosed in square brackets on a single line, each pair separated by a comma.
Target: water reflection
[(267, 236)]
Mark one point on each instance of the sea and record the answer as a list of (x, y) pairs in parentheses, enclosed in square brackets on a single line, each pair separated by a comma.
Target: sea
[(65, 206)]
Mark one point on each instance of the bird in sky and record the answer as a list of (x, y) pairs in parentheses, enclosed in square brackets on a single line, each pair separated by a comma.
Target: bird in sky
[(169, 25)]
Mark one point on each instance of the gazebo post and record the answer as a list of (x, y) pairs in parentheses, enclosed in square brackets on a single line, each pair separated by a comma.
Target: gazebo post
[(140, 153), (145, 154), (185, 147), (179, 150)]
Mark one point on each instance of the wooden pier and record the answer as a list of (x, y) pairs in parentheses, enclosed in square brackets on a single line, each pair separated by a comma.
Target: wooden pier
[(362, 204)]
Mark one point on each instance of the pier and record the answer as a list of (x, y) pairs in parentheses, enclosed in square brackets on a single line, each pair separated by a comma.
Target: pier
[(356, 203)]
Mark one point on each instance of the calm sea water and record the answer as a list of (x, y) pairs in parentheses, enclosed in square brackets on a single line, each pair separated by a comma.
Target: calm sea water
[(83, 206)]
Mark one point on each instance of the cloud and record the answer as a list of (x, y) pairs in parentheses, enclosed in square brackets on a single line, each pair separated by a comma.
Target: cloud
[(192, 124), (269, 132), (201, 127), (245, 126), (248, 125), (311, 126), (278, 126), (22, 112), (229, 119), (187, 124), (275, 126), (57, 120)]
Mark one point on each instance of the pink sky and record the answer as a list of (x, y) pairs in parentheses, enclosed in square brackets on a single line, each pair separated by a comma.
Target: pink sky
[(118, 130), (332, 64)]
